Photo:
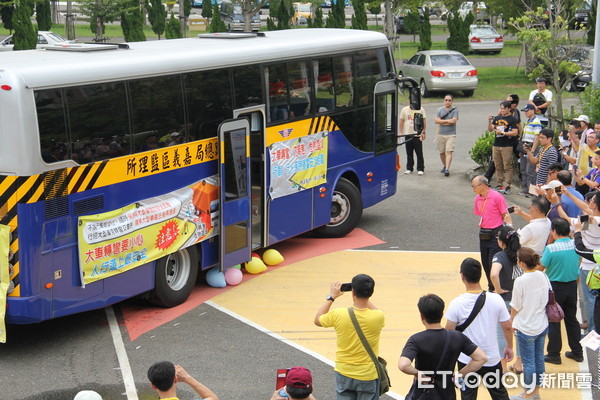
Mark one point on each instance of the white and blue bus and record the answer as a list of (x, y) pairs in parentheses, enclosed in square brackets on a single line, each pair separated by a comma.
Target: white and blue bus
[(126, 170)]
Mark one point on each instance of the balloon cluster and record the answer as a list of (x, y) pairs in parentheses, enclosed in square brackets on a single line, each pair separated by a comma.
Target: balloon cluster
[(233, 276)]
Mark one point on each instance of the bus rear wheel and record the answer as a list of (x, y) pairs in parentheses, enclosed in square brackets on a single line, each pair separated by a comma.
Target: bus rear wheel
[(346, 211), (175, 276)]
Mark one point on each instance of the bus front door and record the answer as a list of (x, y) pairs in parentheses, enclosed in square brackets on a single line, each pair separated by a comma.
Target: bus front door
[(235, 222), (256, 117)]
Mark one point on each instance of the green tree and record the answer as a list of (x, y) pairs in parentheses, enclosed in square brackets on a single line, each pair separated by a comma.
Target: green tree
[(549, 50), (6, 12), (425, 33), (100, 13), (459, 32), (132, 22), (173, 28), (216, 23), (25, 36), (43, 15), (283, 15), (187, 7), (337, 15), (374, 8), (271, 24), (412, 23), (318, 21), (359, 19), (157, 15), (207, 10)]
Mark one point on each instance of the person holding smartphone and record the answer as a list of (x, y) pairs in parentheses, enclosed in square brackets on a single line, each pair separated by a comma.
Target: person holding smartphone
[(355, 371), (592, 179)]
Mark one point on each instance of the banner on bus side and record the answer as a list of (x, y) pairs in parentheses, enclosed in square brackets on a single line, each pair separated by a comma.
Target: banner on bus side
[(117, 241), (4, 277), (298, 164)]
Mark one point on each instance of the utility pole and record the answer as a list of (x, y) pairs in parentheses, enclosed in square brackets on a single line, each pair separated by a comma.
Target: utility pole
[(596, 62), (182, 18)]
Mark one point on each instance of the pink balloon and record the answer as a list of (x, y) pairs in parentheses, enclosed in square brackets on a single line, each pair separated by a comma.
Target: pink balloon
[(233, 276)]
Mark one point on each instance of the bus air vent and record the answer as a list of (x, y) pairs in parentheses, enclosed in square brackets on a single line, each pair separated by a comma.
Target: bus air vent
[(230, 35), (56, 207), (93, 205), (79, 47)]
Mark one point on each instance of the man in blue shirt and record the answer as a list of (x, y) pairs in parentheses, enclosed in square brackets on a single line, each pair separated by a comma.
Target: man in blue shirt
[(561, 264), (573, 211)]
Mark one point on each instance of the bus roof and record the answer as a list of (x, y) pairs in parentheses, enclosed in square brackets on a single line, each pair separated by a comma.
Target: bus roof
[(45, 68)]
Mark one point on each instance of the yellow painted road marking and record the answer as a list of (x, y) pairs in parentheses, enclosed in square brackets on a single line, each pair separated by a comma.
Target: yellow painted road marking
[(286, 300)]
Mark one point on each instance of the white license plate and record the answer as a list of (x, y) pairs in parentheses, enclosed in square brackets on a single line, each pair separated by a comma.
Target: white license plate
[(454, 75), (487, 40)]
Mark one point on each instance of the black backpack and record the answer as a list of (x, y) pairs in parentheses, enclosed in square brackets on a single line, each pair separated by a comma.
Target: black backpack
[(538, 100)]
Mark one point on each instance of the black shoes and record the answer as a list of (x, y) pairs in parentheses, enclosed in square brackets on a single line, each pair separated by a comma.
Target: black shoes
[(553, 359), (574, 356)]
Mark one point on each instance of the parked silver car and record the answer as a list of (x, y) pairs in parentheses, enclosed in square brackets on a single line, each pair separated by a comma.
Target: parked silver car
[(479, 10), (45, 38), (441, 70), (484, 38)]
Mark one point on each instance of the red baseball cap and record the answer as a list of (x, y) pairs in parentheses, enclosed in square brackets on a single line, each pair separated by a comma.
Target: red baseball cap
[(298, 377)]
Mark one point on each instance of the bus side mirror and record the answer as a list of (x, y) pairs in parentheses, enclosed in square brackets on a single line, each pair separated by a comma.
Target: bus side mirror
[(418, 122), (414, 97)]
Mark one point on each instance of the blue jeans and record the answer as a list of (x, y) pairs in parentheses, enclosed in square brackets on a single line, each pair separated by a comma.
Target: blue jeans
[(532, 355), (353, 389), (589, 300)]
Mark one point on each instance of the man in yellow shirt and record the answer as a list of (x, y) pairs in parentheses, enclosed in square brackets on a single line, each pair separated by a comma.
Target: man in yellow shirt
[(355, 373)]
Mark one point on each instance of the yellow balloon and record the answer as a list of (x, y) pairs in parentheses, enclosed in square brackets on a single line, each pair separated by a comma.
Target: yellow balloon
[(255, 266), (272, 257)]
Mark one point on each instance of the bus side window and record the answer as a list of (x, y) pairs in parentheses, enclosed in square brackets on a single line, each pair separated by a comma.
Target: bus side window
[(208, 99), (324, 93), (157, 109), (368, 72), (247, 86), (344, 82), (101, 109), (299, 89), (278, 94), (51, 124)]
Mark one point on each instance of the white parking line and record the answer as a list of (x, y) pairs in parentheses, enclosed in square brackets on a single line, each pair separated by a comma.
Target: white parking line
[(130, 390)]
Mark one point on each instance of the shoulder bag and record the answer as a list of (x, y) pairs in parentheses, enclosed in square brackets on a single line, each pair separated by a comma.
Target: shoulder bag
[(553, 309), (476, 308), (429, 393), (380, 363)]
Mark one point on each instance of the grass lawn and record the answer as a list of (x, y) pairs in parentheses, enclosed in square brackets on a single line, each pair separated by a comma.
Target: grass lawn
[(495, 84), (511, 49)]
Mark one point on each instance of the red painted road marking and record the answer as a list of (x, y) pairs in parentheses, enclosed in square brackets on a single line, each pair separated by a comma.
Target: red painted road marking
[(142, 319)]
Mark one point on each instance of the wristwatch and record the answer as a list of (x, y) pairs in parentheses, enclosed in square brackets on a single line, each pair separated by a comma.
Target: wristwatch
[(330, 298)]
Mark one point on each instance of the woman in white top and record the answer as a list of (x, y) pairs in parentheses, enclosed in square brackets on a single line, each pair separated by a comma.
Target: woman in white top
[(530, 321)]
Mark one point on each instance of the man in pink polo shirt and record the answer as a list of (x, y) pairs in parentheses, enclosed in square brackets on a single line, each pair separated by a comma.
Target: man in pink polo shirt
[(491, 208)]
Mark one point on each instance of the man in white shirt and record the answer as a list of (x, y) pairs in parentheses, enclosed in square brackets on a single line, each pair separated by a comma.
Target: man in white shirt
[(482, 330), (541, 98), (535, 233)]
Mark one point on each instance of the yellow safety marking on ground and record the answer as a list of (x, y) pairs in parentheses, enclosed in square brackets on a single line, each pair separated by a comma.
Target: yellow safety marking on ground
[(286, 300)]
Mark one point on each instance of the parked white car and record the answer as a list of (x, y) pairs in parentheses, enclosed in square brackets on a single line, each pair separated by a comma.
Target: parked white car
[(484, 38), (45, 38), (441, 71)]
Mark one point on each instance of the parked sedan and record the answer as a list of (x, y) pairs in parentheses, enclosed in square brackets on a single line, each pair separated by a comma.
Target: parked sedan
[(441, 70), (45, 38), (484, 38)]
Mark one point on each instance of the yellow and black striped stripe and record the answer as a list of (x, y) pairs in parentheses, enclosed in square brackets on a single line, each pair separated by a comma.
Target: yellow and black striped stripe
[(62, 182)]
